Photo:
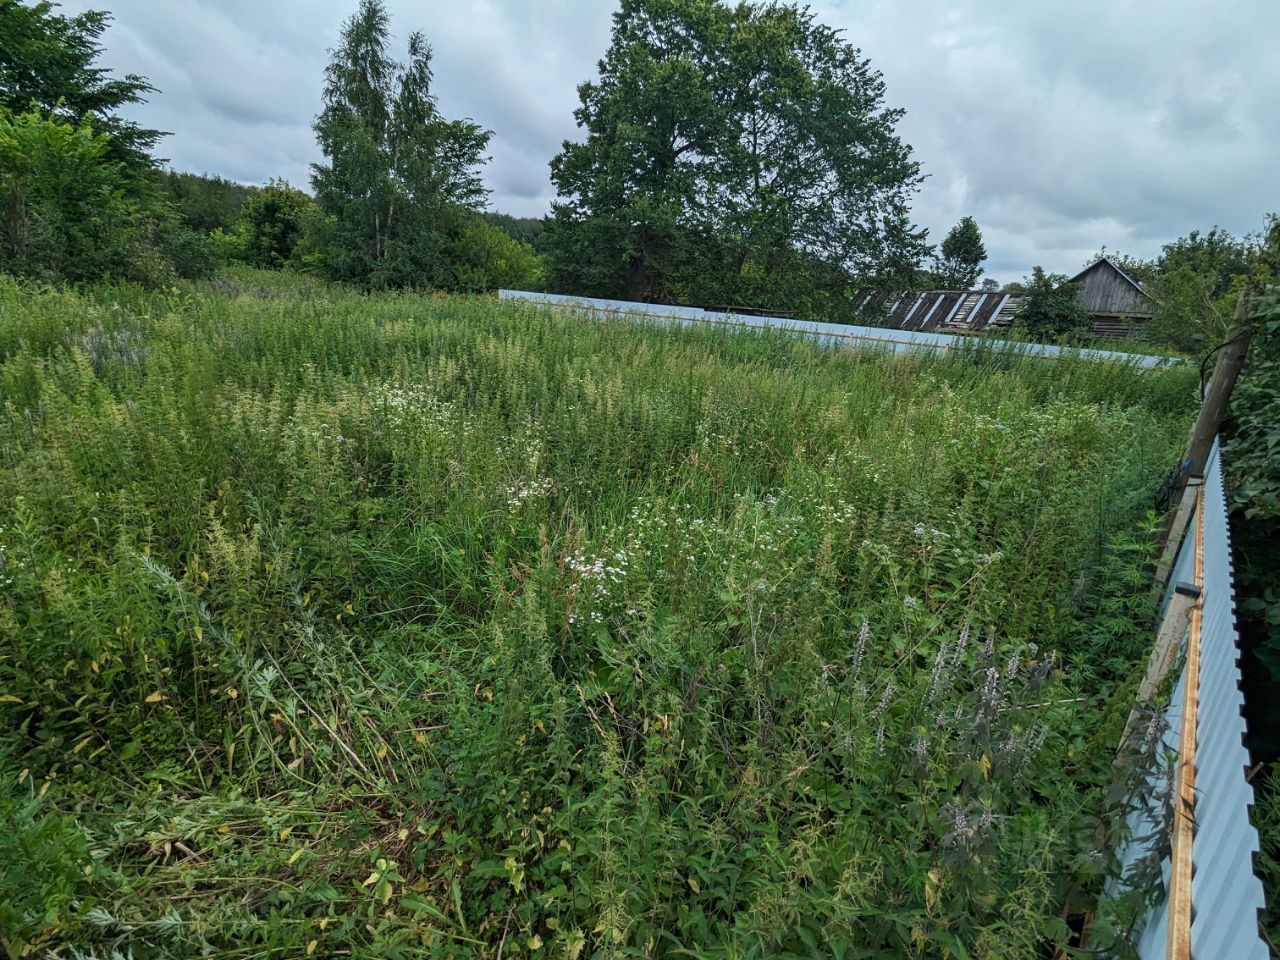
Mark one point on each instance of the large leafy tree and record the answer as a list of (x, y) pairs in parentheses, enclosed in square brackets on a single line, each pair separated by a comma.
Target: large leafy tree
[(399, 180), (735, 154), (812, 190), (49, 60), (634, 193), (960, 260)]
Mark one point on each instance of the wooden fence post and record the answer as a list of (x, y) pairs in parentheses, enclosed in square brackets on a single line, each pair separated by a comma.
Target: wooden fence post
[(1209, 421)]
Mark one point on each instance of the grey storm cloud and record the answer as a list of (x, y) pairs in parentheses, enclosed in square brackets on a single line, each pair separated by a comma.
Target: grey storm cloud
[(1061, 128)]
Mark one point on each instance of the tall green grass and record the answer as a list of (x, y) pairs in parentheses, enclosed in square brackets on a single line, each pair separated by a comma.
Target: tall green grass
[(403, 624)]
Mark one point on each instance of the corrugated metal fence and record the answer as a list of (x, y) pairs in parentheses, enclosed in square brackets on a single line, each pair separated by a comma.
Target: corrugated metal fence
[(830, 334), (1212, 898)]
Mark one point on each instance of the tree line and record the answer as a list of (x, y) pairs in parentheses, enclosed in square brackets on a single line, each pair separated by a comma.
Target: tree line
[(396, 202), (729, 155), (738, 153)]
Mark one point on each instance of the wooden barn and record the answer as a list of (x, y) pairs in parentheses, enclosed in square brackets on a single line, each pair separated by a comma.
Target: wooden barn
[(1116, 302)]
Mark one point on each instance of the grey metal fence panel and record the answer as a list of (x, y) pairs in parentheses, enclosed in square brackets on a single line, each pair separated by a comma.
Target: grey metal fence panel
[(825, 333), (1226, 895)]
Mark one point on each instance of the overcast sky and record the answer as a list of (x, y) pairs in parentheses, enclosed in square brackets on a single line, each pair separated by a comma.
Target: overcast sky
[(1061, 127)]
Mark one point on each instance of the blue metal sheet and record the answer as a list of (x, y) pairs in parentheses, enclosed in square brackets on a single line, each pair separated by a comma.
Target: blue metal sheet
[(1226, 896)]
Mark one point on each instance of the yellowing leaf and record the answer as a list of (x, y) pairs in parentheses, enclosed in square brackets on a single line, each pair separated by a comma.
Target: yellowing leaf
[(693, 885), (985, 763), (284, 834), (293, 858), (535, 942), (232, 692), (156, 697), (10, 698), (515, 873), (199, 632), (311, 947)]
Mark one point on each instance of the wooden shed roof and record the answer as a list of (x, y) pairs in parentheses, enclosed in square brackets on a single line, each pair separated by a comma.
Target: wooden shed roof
[(946, 311), (1114, 266)]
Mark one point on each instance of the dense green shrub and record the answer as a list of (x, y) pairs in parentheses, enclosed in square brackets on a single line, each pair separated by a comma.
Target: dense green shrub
[(484, 257), (1050, 311), (66, 208), (1252, 454), (68, 212), (271, 224)]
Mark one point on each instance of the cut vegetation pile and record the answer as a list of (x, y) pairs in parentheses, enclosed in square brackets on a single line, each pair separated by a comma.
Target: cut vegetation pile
[(339, 623)]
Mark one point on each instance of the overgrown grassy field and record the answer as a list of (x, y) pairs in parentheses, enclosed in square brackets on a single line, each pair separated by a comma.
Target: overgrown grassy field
[(393, 626)]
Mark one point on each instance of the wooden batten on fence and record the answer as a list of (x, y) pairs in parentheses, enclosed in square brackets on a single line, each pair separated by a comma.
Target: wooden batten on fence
[(1179, 930)]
